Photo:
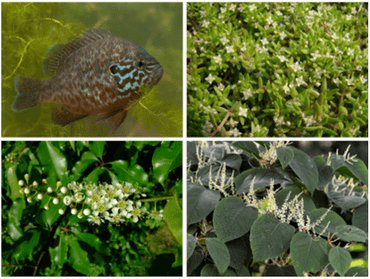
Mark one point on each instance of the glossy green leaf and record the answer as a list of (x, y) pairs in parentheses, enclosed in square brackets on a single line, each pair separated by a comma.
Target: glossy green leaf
[(262, 178), (173, 216), (93, 241), (26, 245), (134, 174), (13, 182), (201, 202), (332, 217), (166, 159), (240, 253), (350, 233), (15, 215), (308, 254), (219, 254), (269, 237), (305, 169), (52, 215), (58, 255), (248, 146), (285, 155), (78, 258), (97, 147), (52, 158), (232, 218), (190, 245), (93, 176), (358, 271), (340, 259)]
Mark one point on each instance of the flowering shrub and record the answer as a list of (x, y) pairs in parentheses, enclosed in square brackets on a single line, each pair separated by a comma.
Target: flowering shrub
[(277, 69), (270, 209), (59, 218)]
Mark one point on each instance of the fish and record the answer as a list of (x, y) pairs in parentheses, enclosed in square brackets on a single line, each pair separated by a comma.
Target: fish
[(96, 74)]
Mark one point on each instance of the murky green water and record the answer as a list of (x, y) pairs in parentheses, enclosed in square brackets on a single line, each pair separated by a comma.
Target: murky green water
[(29, 29)]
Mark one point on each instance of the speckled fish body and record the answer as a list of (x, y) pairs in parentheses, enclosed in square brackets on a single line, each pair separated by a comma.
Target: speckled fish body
[(97, 74)]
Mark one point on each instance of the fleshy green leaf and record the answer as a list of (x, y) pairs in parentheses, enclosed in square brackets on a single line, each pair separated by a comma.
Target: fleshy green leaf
[(350, 233), (201, 202), (166, 159), (360, 217), (305, 169), (285, 155), (358, 169), (173, 216), (191, 243), (332, 217), (219, 253), (269, 237), (340, 259), (232, 218), (308, 254), (262, 179)]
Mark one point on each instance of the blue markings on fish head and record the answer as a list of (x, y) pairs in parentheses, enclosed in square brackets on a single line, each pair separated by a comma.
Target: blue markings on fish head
[(135, 69)]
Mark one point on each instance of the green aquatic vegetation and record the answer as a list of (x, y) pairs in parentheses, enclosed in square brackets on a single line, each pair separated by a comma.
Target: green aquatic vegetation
[(30, 29), (277, 69)]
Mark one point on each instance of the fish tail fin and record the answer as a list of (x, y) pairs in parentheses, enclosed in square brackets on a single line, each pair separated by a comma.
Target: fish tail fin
[(28, 93)]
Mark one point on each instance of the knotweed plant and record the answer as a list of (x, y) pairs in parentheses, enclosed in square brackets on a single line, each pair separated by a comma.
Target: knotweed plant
[(259, 208), (277, 69), (100, 203)]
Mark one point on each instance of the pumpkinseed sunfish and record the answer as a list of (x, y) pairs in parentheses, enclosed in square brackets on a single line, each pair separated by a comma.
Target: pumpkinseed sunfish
[(97, 74)]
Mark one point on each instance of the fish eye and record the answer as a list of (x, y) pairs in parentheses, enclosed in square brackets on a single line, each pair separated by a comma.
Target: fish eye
[(141, 63), (114, 69)]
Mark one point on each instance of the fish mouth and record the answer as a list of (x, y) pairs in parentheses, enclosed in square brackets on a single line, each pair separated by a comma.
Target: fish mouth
[(158, 72)]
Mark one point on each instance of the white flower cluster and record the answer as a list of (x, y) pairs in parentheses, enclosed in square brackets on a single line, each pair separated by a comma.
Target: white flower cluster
[(103, 202)]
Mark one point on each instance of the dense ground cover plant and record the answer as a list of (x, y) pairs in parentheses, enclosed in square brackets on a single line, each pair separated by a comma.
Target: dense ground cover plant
[(91, 208), (277, 69), (267, 208)]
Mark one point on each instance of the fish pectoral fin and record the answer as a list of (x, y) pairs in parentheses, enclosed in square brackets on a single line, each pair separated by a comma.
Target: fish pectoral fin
[(117, 116), (63, 117)]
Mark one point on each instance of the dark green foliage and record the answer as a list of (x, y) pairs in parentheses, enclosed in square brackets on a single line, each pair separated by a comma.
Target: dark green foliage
[(254, 218), (36, 241)]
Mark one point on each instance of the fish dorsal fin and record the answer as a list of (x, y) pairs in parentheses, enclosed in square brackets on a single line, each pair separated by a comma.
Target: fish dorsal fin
[(58, 52)]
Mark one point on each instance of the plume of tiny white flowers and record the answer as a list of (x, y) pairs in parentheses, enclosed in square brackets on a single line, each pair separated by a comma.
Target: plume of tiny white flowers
[(115, 203), (269, 157)]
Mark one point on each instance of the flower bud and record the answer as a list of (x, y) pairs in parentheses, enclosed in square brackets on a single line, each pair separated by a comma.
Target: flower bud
[(27, 177), (44, 181), (35, 184), (64, 190), (55, 201), (74, 211), (29, 199), (87, 211), (21, 182), (80, 215), (40, 196), (59, 184), (47, 206), (21, 190), (61, 211), (27, 190), (50, 190)]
